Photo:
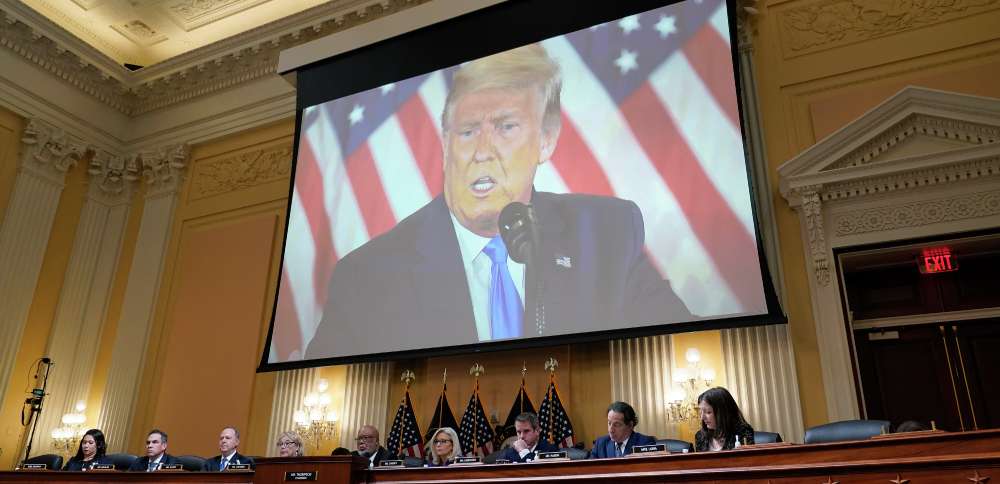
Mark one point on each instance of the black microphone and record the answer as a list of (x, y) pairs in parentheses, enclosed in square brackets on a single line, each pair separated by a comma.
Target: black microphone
[(518, 231)]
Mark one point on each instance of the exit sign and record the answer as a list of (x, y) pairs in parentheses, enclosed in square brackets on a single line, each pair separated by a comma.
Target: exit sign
[(935, 260)]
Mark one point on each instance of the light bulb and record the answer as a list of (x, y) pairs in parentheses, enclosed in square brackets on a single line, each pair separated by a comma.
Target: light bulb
[(708, 375), (681, 375), (676, 395), (81, 406), (692, 355), (300, 417), (310, 400), (324, 399), (67, 419), (322, 385), (331, 417), (315, 415)]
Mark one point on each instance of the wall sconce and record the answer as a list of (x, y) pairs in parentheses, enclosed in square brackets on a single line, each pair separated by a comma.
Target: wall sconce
[(65, 438), (316, 422), (689, 382)]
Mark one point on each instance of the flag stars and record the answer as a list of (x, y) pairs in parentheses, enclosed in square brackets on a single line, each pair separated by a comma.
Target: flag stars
[(666, 26), (357, 114), (629, 24), (627, 61), (386, 89)]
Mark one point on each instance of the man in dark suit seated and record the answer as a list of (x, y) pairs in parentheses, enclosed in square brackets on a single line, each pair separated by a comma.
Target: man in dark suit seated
[(621, 433), (442, 276), (156, 453), (229, 441), (370, 447), (529, 441)]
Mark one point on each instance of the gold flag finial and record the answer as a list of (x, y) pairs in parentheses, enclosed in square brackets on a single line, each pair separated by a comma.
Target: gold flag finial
[(524, 369), (477, 370), (444, 379), (551, 364), (407, 377)]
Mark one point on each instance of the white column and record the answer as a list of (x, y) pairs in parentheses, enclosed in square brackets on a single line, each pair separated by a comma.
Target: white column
[(760, 373), (289, 390), (366, 400), (163, 174), (83, 300), (640, 376), (47, 153)]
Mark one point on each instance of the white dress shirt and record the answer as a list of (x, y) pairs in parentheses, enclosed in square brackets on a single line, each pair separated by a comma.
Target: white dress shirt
[(478, 271)]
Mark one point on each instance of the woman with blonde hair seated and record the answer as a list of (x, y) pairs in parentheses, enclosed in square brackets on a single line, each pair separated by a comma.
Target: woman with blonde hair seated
[(443, 447), (289, 444)]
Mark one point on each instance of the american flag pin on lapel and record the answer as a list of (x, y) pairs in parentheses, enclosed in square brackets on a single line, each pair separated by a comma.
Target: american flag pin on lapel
[(564, 261)]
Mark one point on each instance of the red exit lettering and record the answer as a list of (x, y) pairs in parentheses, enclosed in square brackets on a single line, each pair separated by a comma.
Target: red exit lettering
[(938, 260)]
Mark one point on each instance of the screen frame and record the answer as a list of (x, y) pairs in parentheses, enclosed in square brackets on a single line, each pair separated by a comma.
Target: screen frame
[(535, 20)]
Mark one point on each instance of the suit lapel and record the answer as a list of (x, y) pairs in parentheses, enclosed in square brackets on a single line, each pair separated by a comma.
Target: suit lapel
[(439, 281)]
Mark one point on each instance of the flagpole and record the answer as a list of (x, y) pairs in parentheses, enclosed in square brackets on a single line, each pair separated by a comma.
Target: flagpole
[(444, 390), (476, 370), (520, 398), (551, 364), (407, 377)]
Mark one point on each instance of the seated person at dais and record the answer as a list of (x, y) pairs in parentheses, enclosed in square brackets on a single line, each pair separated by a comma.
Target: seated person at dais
[(621, 433), (722, 422), (229, 441), (289, 444), (156, 453), (370, 447), (91, 451), (529, 440), (443, 447)]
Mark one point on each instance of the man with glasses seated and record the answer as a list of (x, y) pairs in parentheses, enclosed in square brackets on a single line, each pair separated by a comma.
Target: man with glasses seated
[(369, 446)]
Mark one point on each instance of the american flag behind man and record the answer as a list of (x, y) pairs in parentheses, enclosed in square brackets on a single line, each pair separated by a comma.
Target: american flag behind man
[(649, 114), (404, 437), (553, 418)]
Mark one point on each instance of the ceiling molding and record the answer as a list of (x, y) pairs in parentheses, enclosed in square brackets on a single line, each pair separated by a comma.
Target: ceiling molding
[(223, 65)]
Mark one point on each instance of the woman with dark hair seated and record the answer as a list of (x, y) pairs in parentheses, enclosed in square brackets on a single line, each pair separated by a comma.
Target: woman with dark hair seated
[(90, 452), (722, 423)]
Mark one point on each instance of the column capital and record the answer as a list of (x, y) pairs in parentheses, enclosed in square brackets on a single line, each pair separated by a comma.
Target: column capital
[(49, 152), (112, 179), (162, 168)]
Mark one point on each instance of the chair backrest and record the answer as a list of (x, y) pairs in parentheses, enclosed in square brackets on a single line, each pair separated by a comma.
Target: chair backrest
[(191, 462), (674, 445), (846, 430), (122, 461), (761, 437), (52, 461), (575, 454), (410, 461), (492, 458)]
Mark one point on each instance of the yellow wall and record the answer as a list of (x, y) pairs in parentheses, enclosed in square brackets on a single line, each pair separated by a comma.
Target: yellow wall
[(216, 295), (709, 344), (814, 78), (11, 127)]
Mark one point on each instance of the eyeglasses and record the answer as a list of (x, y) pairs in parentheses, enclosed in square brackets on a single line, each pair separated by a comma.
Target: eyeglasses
[(441, 442), (362, 438), (285, 443)]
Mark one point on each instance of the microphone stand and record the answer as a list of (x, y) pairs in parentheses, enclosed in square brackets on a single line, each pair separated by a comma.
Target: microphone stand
[(37, 395)]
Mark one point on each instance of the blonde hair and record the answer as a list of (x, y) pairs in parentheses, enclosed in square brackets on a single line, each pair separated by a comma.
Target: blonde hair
[(294, 437), (521, 68), (456, 446)]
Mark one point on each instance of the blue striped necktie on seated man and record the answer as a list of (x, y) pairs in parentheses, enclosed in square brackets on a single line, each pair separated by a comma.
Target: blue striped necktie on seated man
[(506, 312)]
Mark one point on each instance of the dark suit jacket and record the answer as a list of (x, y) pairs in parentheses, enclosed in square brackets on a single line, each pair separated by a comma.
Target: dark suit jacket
[(380, 455), (212, 465), (745, 432), (543, 446), (79, 465), (142, 464), (407, 288), (604, 447)]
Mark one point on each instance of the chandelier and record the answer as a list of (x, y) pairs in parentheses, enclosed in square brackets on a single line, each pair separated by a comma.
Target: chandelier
[(689, 382), (65, 438), (316, 422)]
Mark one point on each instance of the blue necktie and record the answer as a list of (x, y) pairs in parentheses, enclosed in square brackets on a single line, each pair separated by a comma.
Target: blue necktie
[(506, 312)]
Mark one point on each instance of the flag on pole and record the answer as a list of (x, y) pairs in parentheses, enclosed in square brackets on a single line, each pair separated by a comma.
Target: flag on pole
[(475, 433), (522, 403), (443, 416), (404, 438), (553, 419)]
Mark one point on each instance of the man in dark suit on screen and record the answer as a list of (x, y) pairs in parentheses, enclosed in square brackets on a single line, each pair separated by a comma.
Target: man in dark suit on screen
[(529, 440), (621, 433), (443, 276), (156, 453)]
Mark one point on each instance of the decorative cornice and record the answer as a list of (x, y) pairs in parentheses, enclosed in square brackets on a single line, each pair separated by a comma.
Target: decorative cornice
[(162, 169), (48, 151), (241, 171), (826, 24), (225, 64), (923, 212), (914, 179), (747, 16)]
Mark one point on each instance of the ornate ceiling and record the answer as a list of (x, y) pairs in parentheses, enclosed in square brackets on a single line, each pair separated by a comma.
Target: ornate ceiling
[(146, 32)]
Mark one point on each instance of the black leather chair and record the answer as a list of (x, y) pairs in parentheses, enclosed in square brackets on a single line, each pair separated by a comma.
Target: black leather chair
[(191, 462), (52, 461), (761, 437), (846, 430), (410, 461), (492, 458), (674, 445), (122, 461)]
